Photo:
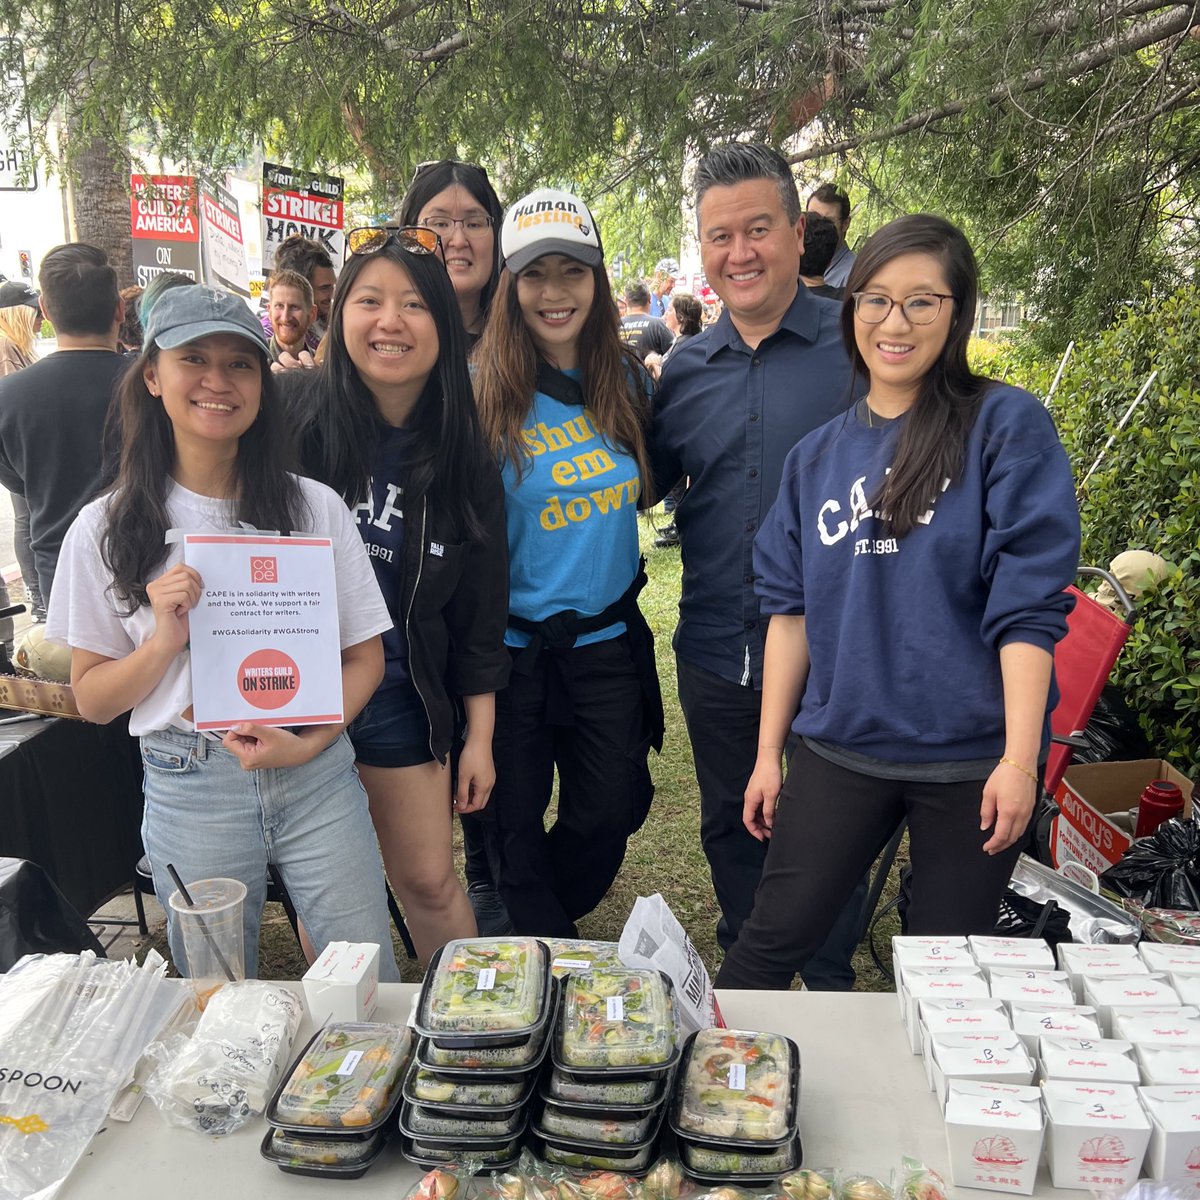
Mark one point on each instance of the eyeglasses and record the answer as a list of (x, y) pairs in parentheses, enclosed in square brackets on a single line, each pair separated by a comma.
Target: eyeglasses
[(479, 223), (873, 308), (415, 239)]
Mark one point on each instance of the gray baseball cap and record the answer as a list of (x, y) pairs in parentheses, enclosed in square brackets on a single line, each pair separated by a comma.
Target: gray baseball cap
[(185, 314)]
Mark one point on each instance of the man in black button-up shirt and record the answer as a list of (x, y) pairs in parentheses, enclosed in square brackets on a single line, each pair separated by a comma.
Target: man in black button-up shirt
[(734, 400)]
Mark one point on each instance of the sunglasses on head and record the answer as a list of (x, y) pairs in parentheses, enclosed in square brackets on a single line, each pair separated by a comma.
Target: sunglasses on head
[(414, 239), (438, 162)]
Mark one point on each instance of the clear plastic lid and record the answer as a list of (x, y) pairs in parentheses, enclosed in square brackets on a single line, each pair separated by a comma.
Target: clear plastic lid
[(737, 1161), (564, 1123), (420, 1122), (572, 954), (481, 986), (614, 1093), (499, 1091), (347, 1078), (617, 1017), (738, 1087), (570, 1156), (299, 1151)]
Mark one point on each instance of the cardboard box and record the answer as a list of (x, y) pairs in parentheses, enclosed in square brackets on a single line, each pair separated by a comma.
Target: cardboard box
[(343, 984), (1031, 987), (1028, 953), (994, 1136), (1094, 1060), (1033, 1021), (1127, 992), (935, 983), (1174, 1114), (1173, 1066), (1096, 1134), (1171, 959), (1081, 832), (988, 1057)]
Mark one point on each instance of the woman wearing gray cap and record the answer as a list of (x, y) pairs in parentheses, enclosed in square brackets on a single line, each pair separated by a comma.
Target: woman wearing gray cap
[(204, 450)]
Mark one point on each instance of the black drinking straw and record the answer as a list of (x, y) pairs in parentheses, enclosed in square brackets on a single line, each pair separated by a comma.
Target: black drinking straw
[(187, 899)]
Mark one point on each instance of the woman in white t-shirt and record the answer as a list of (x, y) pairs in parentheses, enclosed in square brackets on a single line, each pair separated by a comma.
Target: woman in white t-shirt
[(204, 449)]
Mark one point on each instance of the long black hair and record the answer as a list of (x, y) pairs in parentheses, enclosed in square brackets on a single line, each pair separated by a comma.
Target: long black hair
[(263, 493), (434, 178), (933, 441), (340, 425)]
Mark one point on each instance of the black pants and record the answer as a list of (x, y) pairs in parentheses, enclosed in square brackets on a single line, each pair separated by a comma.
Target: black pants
[(829, 826), (549, 879), (722, 720)]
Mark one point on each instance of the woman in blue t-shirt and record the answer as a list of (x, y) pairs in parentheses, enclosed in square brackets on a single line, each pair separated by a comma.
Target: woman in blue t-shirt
[(563, 408), (389, 422), (914, 567)]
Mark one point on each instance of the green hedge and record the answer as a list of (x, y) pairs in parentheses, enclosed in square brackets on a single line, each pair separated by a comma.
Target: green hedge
[(1144, 495)]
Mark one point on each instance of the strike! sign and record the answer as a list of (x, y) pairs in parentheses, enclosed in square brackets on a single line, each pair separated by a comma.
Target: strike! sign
[(165, 223), (305, 203), (224, 251)]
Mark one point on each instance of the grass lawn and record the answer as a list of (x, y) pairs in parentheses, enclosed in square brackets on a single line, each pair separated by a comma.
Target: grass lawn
[(664, 856)]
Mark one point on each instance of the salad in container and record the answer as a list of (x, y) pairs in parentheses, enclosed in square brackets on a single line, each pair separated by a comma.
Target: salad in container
[(633, 1092), (636, 1162), (427, 1153), (616, 1018), (737, 1089), (574, 954), (480, 1095), (420, 1122), (346, 1080), (735, 1163), (323, 1157), (564, 1123)]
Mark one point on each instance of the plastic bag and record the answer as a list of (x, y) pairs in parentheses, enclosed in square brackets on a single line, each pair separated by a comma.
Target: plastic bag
[(445, 1183), (665, 1180), (863, 1187), (916, 1181), (810, 1184), (36, 918), (1112, 732), (1093, 918), (1162, 870), (214, 1081)]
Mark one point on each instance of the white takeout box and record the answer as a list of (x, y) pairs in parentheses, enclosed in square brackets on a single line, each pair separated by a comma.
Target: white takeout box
[(1188, 986), (343, 984), (1158, 1030), (1078, 958), (994, 1135), (1127, 992), (1096, 1134), (1030, 953), (1173, 1066), (995, 1056), (1120, 1018), (1032, 1021), (1122, 970), (928, 952), (935, 983), (982, 1015), (1174, 1114), (1097, 1060), (1030, 987), (1171, 958)]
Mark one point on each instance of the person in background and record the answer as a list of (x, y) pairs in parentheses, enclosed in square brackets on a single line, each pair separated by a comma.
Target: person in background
[(933, 525), (733, 400), (457, 201), (820, 244), (291, 310), (831, 202), (204, 447), (564, 406), (641, 332), (666, 271), (308, 258), (388, 421), (129, 337)]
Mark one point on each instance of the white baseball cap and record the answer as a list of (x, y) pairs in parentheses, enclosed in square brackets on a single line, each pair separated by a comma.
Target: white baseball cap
[(549, 221)]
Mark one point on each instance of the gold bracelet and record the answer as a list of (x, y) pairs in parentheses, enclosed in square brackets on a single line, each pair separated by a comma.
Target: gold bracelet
[(1012, 762)]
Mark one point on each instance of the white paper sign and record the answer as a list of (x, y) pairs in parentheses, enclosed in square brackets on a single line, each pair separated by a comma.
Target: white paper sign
[(264, 638)]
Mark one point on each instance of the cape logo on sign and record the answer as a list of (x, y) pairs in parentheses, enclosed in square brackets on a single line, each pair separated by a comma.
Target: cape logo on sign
[(264, 570)]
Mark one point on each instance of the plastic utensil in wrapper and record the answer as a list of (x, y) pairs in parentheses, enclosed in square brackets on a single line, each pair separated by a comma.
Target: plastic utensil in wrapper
[(346, 1080), (616, 1019)]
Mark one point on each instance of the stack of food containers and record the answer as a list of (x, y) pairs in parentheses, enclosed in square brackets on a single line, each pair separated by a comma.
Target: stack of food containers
[(614, 1053), (329, 1114), (736, 1105), (484, 1015)]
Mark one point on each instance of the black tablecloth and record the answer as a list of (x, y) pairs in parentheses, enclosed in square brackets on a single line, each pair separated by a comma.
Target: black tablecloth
[(71, 801)]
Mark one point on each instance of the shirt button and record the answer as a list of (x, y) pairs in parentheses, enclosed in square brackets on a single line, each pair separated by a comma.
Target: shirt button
[(754, 416), (753, 472), (751, 624), (747, 578), (749, 526)]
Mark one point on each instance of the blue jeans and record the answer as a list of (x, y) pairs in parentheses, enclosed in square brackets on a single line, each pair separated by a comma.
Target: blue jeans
[(210, 818)]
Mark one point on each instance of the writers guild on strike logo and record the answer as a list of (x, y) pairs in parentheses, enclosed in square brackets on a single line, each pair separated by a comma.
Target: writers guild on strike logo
[(264, 570)]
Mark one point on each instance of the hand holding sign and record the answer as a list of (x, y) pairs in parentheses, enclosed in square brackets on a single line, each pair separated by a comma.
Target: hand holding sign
[(172, 596)]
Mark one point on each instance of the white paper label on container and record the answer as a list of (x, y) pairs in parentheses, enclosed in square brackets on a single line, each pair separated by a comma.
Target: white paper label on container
[(737, 1077), (571, 964), (616, 1008), (486, 980), (349, 1063)]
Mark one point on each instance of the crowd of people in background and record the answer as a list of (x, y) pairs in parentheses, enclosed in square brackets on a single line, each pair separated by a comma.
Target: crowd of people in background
[(875, 542)]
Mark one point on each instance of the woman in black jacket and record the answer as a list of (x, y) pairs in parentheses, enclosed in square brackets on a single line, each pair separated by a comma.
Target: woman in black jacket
[(389, 422)]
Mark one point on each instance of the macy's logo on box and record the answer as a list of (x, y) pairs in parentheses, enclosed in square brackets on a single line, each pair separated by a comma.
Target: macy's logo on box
[(1101, 833)]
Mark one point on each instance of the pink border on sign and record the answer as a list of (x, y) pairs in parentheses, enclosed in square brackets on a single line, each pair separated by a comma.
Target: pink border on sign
[(213, 539)]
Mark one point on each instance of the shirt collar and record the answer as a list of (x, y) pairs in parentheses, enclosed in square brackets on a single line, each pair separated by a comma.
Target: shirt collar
[(802, 318)]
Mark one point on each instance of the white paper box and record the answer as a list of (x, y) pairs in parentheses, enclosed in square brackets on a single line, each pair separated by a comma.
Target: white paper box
[(1029, 953), (1169, 1066), (1174, 1114), (343, 984), (1127, 992), (1077, 958), (1032, 1021), (1030, 987), (1123, 970), (1182, 959), (991, 1057), (981, 1015), (935, 983), (1096, 1134), (928, 952), (1094, 1060), (1158, 1030), (1188, 986), (994, 1136)]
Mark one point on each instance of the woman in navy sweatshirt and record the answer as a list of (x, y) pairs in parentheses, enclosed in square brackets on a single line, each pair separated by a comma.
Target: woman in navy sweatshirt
[(913, 566)]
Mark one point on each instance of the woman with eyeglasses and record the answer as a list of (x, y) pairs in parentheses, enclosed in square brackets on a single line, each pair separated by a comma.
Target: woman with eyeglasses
[(563, 408), (389, 422), (457, 201), (914, 567)]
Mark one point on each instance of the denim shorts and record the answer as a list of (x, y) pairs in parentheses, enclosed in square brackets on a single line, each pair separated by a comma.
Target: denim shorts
[(393, 730), (208, 817)]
